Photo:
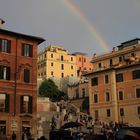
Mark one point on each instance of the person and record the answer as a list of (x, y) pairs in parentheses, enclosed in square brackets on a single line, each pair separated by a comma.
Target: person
[(92, 123), (13, 136)]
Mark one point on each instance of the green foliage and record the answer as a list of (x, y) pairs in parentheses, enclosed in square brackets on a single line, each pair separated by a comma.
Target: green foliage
[(49, 89)]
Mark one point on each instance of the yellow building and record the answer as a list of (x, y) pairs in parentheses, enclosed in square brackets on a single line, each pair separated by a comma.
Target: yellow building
[(55, 61), (114, 84)]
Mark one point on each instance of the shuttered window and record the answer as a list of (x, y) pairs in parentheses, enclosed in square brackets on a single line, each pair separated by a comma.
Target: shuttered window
[(4, 72), (5, 45), (26, 104), (136, 74), (27, 50), (26, 75), (4, 102)]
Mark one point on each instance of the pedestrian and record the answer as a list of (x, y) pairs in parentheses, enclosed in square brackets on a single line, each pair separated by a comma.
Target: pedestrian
[(92, 123), (22, 136), (13, 136)]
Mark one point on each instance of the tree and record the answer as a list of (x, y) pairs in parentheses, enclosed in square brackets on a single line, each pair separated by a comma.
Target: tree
[(49, 89)]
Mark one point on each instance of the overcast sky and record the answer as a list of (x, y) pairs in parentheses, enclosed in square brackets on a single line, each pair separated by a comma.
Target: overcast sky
[(89, 26)]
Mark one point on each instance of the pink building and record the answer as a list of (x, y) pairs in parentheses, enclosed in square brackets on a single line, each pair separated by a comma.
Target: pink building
[(83, 63)]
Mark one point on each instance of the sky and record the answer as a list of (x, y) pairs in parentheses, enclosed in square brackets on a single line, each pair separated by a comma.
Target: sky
[(87, 26)]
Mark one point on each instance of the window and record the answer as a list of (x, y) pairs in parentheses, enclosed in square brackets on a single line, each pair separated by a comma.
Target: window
[(95, 98), (4, 72), (120, 59), (99, 65), (62, 75), (106, 79), (79, 59), (120, 95), (62, 58), (26, 104), (5, 45), (71, 58), (111, 62), (136, 74), (108, 112), (119, 77), (62, 66), (4, 102), (138, 92), (72, 67), (52, 64), (51, 55), (27, 75), (94, 81), (138, 110), (84, 59), (27, 50), (2, 127), (83, 92), (52, 73), (96, 114), (107, 97), (121, 112)]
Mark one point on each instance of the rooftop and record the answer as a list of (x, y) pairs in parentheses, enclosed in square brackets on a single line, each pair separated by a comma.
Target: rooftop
[(39, 39)]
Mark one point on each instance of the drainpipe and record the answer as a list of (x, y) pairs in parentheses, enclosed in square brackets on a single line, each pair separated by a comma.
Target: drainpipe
[(15, 79)]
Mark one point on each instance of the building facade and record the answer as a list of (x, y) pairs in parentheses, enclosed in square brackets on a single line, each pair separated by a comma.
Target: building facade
[(83, 63), (114, 84), (18, 82), (79, 90), (56, 62)]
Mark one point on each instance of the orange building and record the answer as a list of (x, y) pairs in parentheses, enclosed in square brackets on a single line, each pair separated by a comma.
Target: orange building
[(18, 82), (83, 63), (114, 84)]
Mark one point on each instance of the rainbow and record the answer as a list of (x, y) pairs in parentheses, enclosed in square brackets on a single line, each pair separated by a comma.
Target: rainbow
[(88, 24)]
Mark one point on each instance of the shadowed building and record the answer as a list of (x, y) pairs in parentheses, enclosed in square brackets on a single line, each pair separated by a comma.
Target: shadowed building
[(18, 82), (114, 84)]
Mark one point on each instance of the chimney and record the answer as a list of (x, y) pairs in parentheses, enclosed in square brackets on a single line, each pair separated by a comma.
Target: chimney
[(1, 22)]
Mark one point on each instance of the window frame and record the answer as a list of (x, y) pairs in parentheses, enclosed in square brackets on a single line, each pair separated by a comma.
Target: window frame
[(108, 113), (5, 72), (107, 98), (27, 50), (136, 74), (106, 80), (137, 94), (95, 98), (120, 95), (26, 76), (5, 45), (119, 77), (94, 83), (121, 112)]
